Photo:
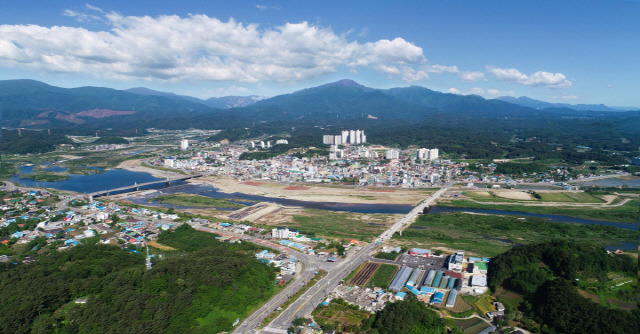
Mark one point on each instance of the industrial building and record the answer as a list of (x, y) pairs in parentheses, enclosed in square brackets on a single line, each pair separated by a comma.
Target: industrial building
[(455, 261), (420, 252), (437, 298), (451, 300), (401, 278), (429, 279)]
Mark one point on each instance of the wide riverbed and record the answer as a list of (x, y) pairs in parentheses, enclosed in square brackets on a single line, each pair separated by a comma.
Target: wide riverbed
[(116, 178)]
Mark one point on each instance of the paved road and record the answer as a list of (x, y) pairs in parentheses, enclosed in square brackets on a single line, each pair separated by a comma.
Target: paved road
[(304, 305), (311, 267)]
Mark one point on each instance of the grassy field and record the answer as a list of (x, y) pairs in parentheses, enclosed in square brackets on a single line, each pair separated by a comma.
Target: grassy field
[(627, 213), (342, 225), (338, 314), (576, 197), (484, 304), (383, 276), (183, 199), (490, 235)]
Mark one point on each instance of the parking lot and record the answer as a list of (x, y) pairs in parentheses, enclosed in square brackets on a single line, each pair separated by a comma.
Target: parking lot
[(426, 263)]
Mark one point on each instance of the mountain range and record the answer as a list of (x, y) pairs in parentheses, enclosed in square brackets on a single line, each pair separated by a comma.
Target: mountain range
[(537, 104), (29, 103)]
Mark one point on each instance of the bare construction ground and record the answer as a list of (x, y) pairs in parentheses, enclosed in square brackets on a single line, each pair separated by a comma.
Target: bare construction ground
[(319, 193)]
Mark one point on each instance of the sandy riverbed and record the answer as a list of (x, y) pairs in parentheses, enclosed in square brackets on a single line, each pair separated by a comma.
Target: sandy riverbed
[(317, 193)]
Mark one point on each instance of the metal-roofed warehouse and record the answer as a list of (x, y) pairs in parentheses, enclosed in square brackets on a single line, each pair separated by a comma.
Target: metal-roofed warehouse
[(401, 279), (451, 300), (429, 279)]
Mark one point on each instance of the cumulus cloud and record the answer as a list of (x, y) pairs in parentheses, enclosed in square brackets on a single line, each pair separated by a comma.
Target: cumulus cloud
[(441, 69), (472, 76), (200, 47), (453, 90), (540, 78)]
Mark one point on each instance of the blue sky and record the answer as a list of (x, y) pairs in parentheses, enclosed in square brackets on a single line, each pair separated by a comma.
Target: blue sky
[(557, 51)]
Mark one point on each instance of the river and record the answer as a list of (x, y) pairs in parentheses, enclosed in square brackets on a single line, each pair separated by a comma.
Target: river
[(115, 178)]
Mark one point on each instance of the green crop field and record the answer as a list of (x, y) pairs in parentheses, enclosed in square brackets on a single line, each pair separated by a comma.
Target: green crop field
[(490, 235), (342, 225), (383, 276)]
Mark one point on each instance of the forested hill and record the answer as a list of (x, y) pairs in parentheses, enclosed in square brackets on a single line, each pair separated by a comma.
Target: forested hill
[(549, 275), (202, 291)]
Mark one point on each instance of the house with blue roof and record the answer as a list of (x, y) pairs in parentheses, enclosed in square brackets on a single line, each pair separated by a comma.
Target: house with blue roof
[(17, 235)]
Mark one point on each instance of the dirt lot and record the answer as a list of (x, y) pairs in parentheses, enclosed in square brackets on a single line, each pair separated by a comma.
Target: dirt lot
[(518, 195), (317, 193)]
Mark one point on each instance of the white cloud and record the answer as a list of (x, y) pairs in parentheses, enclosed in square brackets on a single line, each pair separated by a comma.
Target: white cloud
[(565, 97), (199, 47), (389, 69), (540, 78), (82, 17), (481, 92), (441, 69), (472, 76), (411, 75), (475, 91), (94, 8), (496, 92)]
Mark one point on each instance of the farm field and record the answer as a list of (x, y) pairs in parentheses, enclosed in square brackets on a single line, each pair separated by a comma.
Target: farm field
[(383, 276), (490, 235), (364, 274)]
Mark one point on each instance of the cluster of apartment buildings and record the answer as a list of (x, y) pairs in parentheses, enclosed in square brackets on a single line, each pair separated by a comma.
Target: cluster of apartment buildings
[(351, 137)]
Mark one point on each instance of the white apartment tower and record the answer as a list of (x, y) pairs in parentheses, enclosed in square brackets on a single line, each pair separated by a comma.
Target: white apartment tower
[(352, 137), (358, 137), (345, 137), (427, 154), (433, 154), (184, 144), (392, 154)]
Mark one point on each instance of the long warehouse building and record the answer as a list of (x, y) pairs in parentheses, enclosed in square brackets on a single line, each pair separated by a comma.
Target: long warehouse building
[(400, 280), (451, 300)]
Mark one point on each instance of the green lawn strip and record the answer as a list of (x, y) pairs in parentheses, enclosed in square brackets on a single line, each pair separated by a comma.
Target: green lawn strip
[(383, 275), (480, 233), (627, 213), (293, 298), (183, 199)]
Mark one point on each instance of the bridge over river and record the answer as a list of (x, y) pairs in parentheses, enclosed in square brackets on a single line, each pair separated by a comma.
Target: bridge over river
[(137, 186)]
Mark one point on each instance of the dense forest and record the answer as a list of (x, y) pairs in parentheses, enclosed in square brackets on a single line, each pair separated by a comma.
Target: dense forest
[(31, 141), (546, 275), (408, 316), (202, 288)]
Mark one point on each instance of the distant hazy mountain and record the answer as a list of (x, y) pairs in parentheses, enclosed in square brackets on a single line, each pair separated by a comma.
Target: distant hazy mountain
[(537, 104), (225, 102)]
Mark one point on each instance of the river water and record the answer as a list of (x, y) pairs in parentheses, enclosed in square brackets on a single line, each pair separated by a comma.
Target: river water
[(116, 178)]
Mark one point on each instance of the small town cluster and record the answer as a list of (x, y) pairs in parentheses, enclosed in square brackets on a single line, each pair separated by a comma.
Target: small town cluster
[(361, 164)]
